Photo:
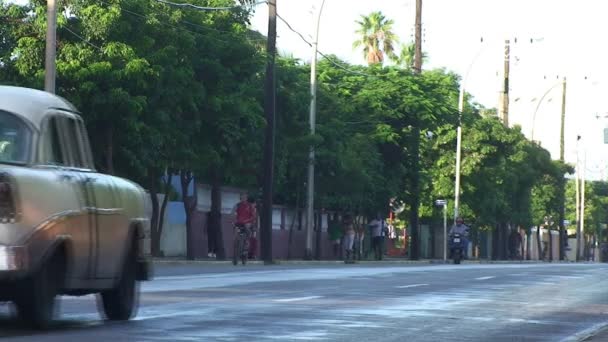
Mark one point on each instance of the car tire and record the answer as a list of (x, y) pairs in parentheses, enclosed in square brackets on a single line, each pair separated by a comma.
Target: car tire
[(36, 303), (121, 302)]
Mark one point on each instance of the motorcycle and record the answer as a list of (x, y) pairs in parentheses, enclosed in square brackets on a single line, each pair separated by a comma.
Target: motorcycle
[(456, 247)]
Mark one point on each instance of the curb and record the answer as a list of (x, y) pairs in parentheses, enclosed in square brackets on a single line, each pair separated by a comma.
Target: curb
[(597, 332), (210, 262)]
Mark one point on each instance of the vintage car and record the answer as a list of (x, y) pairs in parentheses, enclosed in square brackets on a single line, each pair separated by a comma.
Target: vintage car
[(65, 229)]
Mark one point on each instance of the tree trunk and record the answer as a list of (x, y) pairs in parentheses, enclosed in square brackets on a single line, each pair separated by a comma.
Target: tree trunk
[(539, 245), (495, 244), (502, 241), (318, 249), (163, 207), (293, 222), (110, 150), (186, 178), (550, 257), (154, 235), (215, 216), (528, 244)]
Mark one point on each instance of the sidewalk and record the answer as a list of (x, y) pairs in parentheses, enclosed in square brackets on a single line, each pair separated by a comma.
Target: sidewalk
[(597, 333), (398, 261)]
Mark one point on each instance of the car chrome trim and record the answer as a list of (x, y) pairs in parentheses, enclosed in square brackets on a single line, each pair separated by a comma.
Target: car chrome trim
[(13, 258)]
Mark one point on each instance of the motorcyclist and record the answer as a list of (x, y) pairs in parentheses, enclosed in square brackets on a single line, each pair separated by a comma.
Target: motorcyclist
[(463, 230)]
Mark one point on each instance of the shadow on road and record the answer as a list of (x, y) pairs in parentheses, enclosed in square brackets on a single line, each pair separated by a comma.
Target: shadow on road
[(11, 326)]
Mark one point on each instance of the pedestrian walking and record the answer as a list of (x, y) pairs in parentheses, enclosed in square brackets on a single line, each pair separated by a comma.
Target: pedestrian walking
[(349, 235), (377, 232), (212, 234), (515, 244), (359, 239), (335, 235)]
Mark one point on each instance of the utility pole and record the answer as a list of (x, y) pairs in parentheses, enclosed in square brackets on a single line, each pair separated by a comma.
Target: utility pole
[(504, 98), (562, 187), (458, 151), (418, 38), (310, 214), (269, 110), (415, 178), (563, 122), (582, 226), (578, 203), (51, 46)]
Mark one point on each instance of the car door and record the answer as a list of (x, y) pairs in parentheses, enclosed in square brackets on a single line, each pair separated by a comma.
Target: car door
[(102, 204), (58, 161)]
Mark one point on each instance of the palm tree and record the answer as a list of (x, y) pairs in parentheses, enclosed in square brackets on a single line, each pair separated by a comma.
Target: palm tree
[(377, 38), (406, 56)]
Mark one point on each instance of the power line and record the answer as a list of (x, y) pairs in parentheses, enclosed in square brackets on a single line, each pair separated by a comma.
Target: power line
[(294, 30), (82, 38), (204, 8), (337, 64), (331, 60), (144, 17), (328, 58), (88, 42)]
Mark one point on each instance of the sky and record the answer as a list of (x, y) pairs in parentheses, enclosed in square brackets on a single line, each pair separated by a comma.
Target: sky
[(568, 40)]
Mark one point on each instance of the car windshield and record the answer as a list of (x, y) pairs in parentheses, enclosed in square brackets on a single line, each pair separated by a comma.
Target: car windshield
[(15, 137)]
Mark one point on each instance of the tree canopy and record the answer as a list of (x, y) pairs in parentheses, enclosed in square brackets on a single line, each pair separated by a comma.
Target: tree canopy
[(170, 88)]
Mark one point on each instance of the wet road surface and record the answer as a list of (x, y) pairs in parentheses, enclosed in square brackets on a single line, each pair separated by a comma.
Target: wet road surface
[(373, 302)]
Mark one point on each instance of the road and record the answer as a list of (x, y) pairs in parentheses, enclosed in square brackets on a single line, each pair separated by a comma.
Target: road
[(364, 302)]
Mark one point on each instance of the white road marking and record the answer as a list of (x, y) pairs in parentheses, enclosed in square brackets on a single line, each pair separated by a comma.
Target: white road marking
[(546, 283), (413, 285), (298, 299), (85, 297), (567, 277), (485, 278)]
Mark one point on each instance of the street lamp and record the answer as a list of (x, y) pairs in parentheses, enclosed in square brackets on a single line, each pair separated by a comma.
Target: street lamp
[(459, 129), (444, 204), (459, 132), (540, 102), (311, 157)]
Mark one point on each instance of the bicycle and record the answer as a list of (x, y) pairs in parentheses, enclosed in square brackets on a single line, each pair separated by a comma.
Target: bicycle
[(241, 244)]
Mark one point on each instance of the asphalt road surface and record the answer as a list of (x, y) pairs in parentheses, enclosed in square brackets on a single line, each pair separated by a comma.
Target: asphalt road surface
[(364, 302)]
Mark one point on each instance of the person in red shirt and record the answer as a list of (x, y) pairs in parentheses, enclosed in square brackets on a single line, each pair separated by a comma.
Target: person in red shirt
[(245, 217), (245, 212)]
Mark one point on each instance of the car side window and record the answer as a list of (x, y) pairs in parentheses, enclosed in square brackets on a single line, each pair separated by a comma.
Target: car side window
[(73, 143), (86, 146), (55, 154)]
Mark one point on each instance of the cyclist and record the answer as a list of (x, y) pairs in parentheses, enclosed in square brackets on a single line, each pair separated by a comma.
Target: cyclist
[(245, 217)]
